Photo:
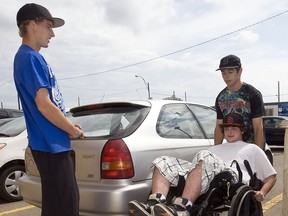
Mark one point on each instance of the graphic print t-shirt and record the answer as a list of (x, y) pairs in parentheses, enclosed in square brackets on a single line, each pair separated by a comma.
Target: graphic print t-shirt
[(247, 102)]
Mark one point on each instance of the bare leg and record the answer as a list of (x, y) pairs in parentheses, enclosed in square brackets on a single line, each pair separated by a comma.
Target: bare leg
[(192, 188), (159, 183), (191, 192)]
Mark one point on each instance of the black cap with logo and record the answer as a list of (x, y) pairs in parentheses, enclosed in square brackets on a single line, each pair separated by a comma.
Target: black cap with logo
[(34, 11), (232, 120), (230, 61)]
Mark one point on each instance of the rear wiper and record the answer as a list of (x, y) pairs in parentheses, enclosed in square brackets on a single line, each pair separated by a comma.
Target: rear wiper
[(4, 135), (178, 128)]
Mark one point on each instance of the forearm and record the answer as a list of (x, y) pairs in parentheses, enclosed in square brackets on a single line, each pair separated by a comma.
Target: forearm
[(259, 137), (53, 114), (56, 117), (218, 135), (258, 132), (269, 182)]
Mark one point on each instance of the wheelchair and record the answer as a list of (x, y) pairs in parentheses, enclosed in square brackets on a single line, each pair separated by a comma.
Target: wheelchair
[(223, 195)]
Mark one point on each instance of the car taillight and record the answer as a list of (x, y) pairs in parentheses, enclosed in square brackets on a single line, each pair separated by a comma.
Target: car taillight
[(116, 161)]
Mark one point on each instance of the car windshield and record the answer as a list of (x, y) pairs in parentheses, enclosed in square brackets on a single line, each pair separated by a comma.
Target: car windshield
[(13, 128), (114, 122), (272, 122)]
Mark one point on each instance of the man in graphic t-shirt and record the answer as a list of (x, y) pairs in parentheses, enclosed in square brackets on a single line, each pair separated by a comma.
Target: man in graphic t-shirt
[(239, 97)]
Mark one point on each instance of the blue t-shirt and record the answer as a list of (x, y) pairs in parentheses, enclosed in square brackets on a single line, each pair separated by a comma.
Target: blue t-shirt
[(31, 72)]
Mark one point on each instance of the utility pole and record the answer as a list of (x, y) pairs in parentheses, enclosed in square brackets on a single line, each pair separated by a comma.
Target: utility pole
[(78, 101), (148, 89), (278, 91)]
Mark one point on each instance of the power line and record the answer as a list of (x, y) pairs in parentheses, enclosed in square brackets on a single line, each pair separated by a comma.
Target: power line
[(178, 51)]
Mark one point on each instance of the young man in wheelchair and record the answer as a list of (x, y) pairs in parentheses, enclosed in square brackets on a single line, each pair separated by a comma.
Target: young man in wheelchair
[(204, 167)]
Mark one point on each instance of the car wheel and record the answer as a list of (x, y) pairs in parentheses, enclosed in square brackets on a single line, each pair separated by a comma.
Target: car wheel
[(9, 183)]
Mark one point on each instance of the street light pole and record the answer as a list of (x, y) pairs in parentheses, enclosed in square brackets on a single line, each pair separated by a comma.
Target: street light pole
[(148, 89), (146, 84)]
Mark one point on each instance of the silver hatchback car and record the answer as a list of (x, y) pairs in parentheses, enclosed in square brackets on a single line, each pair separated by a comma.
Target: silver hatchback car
[(113, 162)]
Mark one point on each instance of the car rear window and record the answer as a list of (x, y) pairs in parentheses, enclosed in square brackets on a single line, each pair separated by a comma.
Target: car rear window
[(110, 122)]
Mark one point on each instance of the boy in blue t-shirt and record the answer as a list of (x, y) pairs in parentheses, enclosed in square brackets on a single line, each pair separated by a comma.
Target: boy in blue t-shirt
[(49, 130)]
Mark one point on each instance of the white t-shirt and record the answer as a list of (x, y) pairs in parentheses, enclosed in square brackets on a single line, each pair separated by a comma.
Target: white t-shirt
[(241, 151)]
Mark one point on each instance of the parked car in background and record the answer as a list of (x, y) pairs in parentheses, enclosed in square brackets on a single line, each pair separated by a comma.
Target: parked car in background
[(273, 132), (5, 120), (113, 161), (10, 113), (13, 142)]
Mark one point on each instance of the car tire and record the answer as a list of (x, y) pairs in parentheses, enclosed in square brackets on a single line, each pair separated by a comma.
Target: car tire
[(9, 186)]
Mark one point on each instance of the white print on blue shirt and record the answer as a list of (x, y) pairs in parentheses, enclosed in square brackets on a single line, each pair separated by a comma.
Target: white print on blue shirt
[(55, 90)]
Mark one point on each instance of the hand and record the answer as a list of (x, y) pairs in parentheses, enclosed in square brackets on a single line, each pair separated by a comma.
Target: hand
[(79, 134), (78, 126), (259, 196)]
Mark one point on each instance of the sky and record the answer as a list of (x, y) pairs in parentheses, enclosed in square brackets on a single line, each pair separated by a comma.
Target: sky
[(174, 45)]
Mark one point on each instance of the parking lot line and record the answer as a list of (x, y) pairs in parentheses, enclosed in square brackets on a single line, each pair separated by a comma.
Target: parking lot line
[(266, 206), (272, 202), (17, 210)]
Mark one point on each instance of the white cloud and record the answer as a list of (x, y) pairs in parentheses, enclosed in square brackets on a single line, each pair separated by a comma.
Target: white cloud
[(246, 37)]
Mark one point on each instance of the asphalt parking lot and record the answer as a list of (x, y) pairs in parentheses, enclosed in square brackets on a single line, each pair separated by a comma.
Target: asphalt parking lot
[(272, 205)]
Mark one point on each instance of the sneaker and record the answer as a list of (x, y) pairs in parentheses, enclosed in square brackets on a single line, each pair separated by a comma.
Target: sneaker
[(178, 208), (137, 208)]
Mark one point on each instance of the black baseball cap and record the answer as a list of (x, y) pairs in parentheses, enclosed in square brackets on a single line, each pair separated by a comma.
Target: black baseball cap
[(233, 120), (34, 11), (230, 61)]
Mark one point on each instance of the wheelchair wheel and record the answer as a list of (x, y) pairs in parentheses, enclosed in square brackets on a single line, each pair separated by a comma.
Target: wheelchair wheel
[(243, 203)]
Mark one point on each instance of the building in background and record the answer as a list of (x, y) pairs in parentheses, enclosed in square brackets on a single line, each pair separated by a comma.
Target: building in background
[(276, 109)]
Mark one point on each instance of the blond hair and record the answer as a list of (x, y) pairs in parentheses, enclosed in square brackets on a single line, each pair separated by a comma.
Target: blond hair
[(23, 26)]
